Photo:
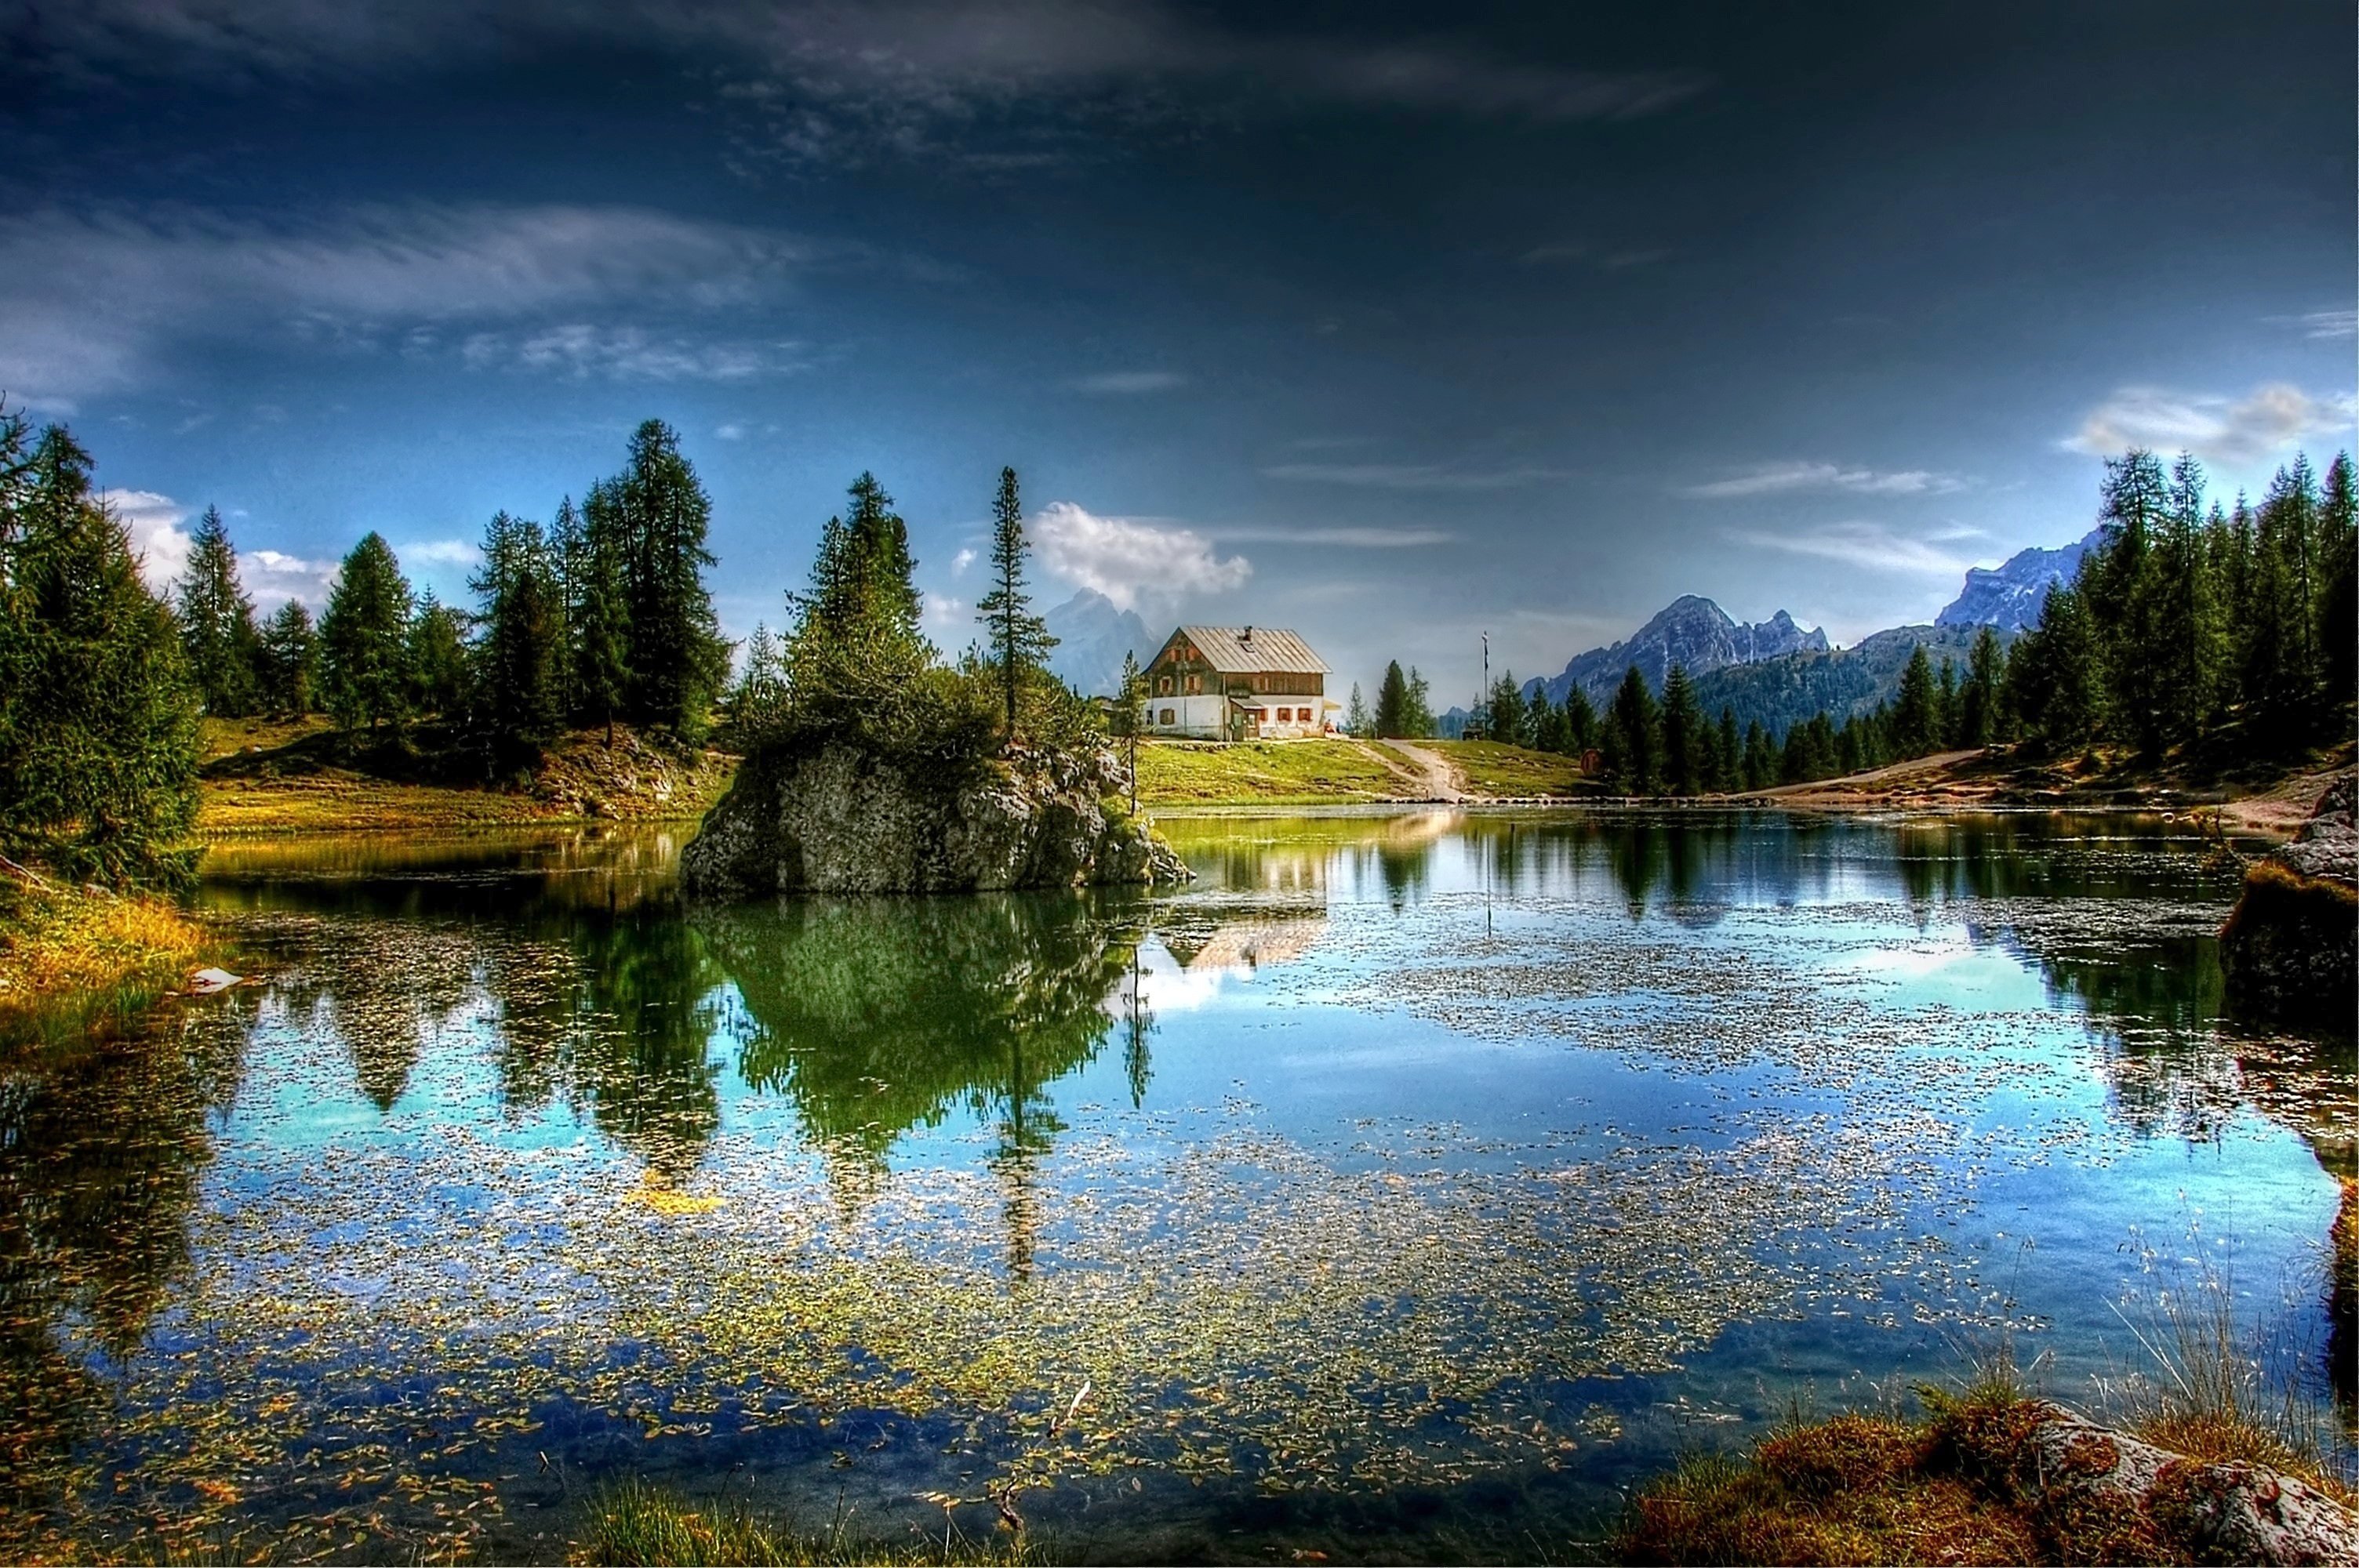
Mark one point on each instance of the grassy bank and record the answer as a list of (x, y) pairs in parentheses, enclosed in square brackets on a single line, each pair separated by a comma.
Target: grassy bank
[(70, 955), (633, 1523), (1495, 769), (305, 776), (1266, 773)]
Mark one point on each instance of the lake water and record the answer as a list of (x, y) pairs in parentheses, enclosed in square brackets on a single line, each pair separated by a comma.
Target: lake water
[(1406, 1186)]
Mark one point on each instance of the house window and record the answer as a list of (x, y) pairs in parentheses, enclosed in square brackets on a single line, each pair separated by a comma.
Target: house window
[(1195, 686), (1167, 712), (1285, 716), (1163, 689)]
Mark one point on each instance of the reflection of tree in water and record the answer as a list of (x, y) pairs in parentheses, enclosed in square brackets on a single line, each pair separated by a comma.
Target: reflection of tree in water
[(876, 1016), (104, 1147)]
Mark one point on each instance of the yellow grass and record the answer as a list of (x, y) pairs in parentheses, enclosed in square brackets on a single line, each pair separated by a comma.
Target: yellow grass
[(59, 942), (1264, 772), (1495, 768)]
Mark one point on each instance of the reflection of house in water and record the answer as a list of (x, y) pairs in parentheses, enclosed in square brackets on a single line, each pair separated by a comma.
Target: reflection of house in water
[(1248, 944)]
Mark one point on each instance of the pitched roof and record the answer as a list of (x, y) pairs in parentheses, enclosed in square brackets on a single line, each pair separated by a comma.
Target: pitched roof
[(1242, 649)]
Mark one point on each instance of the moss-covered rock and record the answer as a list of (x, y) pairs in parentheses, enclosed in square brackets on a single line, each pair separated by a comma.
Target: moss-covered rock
[(849, 820), (2290, 949)]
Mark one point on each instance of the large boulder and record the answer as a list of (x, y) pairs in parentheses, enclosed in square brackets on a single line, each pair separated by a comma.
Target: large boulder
[(2290, 949), (845, 820)]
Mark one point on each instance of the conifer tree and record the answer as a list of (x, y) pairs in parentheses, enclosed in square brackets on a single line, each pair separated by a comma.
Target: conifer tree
[(1506, 705), (290, 660), (435, 659), (1760, 757), (569, 554), (363, 638), (1355, 716), (1019, 639), (1634, 737), (1915, 708), (1130, 715), (757, 702), (674, 660), (98, 716), (1579, 720), (521, 660), (2338, 603), (1978, 698), (1683, 734), (2052, 681), (1417, 708), (1392, 703), (1728, 753), (217, 631), (601, 614)]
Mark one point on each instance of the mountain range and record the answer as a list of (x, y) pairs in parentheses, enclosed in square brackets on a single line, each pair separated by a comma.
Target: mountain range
[(1093, 634), (1691, 632), (2011, 595)]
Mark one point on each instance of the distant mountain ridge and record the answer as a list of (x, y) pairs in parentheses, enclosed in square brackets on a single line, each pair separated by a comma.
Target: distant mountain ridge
[(2011, 595), (1093, 634), (1691, 632)]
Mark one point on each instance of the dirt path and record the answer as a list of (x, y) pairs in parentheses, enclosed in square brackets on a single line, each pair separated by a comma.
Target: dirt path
[(1435, 778)]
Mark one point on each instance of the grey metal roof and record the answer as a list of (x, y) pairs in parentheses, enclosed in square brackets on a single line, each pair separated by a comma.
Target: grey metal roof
[(1246, 650)]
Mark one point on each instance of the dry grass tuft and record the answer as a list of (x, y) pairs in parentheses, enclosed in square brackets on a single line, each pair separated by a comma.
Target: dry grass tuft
[(633, 1523), (84, 949)]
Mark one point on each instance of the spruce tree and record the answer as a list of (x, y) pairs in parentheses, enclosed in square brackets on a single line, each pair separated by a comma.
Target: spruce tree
[(1417, 708), (217, 631), (2338, 602), (520, 658), (1506, 705), (674, 660), (435, 659), (1760, 757), (1634, 735), (1683, 734), (1130, 716), (1392, 703), (1355, 716), (1579, 720), (601, 614), (1019, 639), (98, 716), (1728, 753), (1978, 698), (290, 660), (1916, 708), (757, 702), (363, 638)]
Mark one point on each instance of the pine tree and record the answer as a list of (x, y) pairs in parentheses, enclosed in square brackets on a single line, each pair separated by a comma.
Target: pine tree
[(521, 660), (1417, 708), (290, 660), (1684, 737), (1978, 698), (1634, 735), (98, 716), (363, 638), (757, 702), (1579, 720), (1760, 758), (569, 552), (601, 613), (1130, 715), (2052, 682), (1392, 703), (1916, 708), (435, 659), (1019, 639), (676, 659), (1728, 755), (217, 631), (1355, 716), (2338, 600), (1506, 705), (856, 655)]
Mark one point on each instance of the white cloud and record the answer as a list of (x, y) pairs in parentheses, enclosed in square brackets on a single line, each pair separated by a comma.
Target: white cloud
[(1867, 546), (1771, 479), (439, 553), (1129, 382), (1348, 538), (581, 349), (1412, 476), (96, 300), (2321, 323), (154, 523), (730, 432), (270, 578), (946, 611), (1125, 558), (2271, 418), (960, 562)]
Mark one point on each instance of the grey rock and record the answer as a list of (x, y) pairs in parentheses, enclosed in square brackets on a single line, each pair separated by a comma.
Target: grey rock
[(845, 821), (2012, 595)]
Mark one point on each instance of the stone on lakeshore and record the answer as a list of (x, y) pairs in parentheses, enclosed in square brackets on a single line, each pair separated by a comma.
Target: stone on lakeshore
[(2291, 947)]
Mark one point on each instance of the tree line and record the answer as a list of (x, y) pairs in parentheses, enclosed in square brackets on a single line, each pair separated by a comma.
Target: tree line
[(2206, 631)]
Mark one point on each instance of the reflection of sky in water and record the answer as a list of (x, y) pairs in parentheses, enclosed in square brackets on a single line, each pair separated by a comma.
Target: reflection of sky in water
[(1472, 1127)]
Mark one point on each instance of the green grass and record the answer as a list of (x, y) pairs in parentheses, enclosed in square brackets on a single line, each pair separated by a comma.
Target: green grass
[(633, 1523), (1264, 773), (1495, 768), (69, 957)]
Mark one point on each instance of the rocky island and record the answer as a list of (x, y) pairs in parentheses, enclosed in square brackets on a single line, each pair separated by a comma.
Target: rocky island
[(851, 820)]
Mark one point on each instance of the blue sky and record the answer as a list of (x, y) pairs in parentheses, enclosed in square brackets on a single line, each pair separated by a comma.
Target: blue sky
[(1391, 326)]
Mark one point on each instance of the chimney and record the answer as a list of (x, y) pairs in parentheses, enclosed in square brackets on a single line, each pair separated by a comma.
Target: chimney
[(1247, 638)]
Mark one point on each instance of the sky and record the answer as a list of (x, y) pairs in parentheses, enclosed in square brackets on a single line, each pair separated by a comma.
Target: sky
[(1395, 326)]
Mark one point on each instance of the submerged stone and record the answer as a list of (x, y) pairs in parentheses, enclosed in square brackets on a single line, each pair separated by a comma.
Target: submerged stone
[(846, 820), (2290, 947)]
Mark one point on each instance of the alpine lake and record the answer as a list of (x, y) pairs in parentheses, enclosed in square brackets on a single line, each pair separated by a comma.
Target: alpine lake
[(1408, 1186)]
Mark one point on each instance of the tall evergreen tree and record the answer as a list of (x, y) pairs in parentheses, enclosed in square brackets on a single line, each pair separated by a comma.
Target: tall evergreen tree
[(1728, 753), (1579, 720), (217, 632), (1683, 734), (676, 659), (1760, 757), (98, 716), (1916, 716), (1019, 639), (363, 638), (1355, 716), (600, 615), (1507, 716), (1417, 708), (1978, 699), (290, 660), (1392, 703), (435, 659), (2338, 601), (1634, 735), (520, 659)]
